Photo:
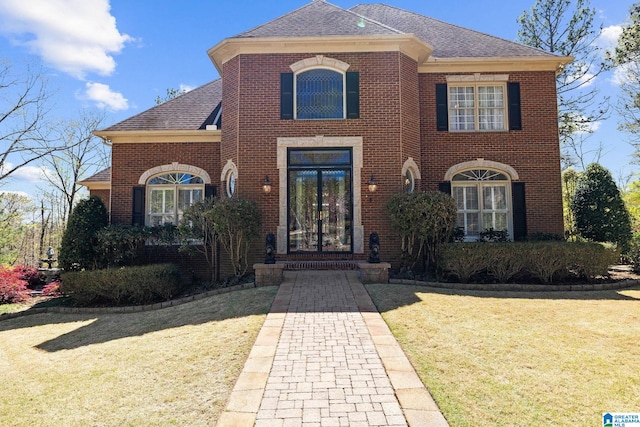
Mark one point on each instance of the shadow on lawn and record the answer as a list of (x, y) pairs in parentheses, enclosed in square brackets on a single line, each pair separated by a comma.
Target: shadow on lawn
[(106, 327), (390, 297)]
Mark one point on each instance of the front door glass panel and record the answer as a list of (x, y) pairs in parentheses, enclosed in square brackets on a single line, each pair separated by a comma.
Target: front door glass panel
[(320, 201)]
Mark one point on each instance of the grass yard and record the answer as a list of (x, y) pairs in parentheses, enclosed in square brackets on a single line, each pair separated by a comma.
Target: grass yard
[(174, 366), (520, 359)]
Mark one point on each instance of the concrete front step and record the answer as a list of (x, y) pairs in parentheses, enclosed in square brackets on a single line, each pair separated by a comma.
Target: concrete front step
[(320, 265)]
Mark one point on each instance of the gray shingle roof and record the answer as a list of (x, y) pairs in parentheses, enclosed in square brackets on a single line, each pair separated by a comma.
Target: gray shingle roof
[(102, 176), (185, 112), (317, 19), (448, 41)]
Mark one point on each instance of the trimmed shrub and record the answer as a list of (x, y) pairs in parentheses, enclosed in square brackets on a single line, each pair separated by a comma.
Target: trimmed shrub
[(123, 286), (546, 260), (501, 262), (543, 262), (463, 260), (13, 287), (121, 245)]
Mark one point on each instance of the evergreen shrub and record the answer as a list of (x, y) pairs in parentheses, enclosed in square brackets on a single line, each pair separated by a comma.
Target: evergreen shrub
[(79, 247), (123, 286)]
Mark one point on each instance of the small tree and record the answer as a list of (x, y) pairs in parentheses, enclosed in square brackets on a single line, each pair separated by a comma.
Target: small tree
[(425, 221), (198, 223), (598, 209), (79, 248), (237, 224)]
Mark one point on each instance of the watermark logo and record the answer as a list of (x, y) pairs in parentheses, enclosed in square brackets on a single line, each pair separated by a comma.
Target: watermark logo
[(621, 419)]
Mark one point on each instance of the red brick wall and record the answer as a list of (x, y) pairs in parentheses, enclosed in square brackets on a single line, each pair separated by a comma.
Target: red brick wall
[(104, 196), (132, 160), (388, 124), (397, 121), (534, 151)]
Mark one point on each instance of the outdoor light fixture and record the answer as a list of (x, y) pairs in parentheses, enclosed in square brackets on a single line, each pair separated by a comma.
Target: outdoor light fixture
[(372, 184), (266, 185)]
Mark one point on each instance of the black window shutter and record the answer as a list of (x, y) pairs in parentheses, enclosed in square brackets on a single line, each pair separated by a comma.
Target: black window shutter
[(445, 187), (286, 96), (515, 115), (137, 217), (210, 191), (353, 95), (519, 211), (442, 110)]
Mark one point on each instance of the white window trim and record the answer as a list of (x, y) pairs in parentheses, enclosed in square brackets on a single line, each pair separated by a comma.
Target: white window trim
[(227, 170), (174, 167), (411, 167), (476, 114), (481, 163)]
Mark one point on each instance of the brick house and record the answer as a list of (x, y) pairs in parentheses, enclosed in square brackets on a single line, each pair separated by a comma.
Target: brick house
[(324, 105)]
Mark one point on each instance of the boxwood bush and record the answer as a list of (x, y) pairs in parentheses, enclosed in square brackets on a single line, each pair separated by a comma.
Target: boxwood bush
[(543, 262), (123, 286)]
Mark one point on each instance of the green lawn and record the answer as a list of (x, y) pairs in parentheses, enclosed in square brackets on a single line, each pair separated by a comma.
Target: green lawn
[(520, 359), (174, 366)]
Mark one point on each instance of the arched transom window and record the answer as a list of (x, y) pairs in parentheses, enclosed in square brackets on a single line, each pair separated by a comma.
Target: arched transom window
[(169, 194), (483, 200), (320, 94)]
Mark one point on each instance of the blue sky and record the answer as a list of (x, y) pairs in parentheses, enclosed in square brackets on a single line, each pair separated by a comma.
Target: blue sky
[(119, 55)]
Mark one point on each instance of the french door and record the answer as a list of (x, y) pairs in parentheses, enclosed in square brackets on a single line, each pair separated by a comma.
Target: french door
[(320, 201)]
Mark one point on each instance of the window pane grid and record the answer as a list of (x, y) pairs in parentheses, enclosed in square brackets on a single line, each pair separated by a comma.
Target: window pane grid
[(488, 113), (481, 205), (170, 194)]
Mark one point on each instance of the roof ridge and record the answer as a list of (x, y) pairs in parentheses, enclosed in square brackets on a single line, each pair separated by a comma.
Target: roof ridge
[(453, 25), (341, 9), (283, 16), (382, 24)]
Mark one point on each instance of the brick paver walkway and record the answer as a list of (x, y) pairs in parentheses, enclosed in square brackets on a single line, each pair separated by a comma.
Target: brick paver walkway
[(325, 357)]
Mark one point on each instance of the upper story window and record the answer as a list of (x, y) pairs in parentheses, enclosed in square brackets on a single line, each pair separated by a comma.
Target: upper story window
[(320, 94), (477, 107), (319, 88), (170, 194), (485, 103)]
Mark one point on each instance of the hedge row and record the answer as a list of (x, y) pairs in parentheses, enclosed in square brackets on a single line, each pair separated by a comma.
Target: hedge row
[(545, 262), (123, 286)]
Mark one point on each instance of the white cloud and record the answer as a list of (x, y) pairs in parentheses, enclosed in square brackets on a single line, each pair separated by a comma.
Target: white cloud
[(186, 88), (609, 37), (74, 36), (28, 174), (626, 74), (104, 97)]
